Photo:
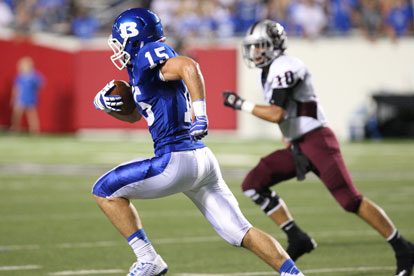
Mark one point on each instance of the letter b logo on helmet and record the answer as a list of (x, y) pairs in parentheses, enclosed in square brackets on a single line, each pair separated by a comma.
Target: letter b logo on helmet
[(131, 30), (128, 29)]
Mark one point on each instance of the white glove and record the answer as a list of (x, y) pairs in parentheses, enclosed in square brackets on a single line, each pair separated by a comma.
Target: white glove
[(198, 128), (106, 102)]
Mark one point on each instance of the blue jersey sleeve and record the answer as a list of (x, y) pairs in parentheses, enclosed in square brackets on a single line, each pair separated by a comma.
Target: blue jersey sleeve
[(154, 54)]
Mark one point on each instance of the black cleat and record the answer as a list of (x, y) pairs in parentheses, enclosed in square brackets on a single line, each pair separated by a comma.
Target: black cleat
[(299, 245), (405, 261)]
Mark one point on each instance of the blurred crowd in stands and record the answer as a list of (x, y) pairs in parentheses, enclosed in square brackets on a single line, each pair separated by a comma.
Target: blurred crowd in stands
[(215, 19)]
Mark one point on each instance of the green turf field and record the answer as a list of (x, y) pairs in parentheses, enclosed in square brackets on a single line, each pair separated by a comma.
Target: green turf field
[(50, 225)]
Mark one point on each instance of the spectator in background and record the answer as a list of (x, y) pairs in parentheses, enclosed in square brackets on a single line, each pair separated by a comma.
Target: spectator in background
[(371, 20), (25, 94), (398, 17), (222, 19), (52, 15), (205, 11), (246, 12), (203, 19), (24, 17), (188, 20), (41, 16), (6, 14), (343, 15), (84, 24), (167, 10), (311, 17), (222, 16), (278, 10)]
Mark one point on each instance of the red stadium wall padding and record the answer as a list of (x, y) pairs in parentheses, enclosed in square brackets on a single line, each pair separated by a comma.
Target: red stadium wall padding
[(94, 71), (73, 78), (56, 105), (218, 67)]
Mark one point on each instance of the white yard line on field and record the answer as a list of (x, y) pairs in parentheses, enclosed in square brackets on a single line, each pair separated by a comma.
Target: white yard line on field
[(237, 173), (88, 272), (88, 244), (5, 248), (306, 271), (19, 267), (348, 269), (201, 239)]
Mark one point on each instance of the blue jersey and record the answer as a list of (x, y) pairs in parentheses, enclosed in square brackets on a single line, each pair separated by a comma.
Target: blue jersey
[(165, 105), (28, 85)]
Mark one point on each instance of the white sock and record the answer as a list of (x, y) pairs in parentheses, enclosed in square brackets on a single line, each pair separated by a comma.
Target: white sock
[(143, 249)]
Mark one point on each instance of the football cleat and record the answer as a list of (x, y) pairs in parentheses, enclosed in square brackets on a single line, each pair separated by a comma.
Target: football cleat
[(290, 274), (153, 268), (405, 261), (300, 245)]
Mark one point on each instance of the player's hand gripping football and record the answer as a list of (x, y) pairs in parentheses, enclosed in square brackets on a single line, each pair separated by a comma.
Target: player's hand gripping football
[(232, 100), (104, 101), (198, 128)]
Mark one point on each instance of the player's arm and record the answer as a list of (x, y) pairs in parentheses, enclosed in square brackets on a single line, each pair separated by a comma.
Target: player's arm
[(13, 95), (273, 113), (135, 116), (112, 103), (186, 69)]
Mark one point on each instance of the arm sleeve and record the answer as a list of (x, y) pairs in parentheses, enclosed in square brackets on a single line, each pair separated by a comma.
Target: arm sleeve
[(281, 96)]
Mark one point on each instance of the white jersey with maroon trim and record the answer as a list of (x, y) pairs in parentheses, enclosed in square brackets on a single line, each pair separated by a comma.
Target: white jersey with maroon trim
[(303, 112)]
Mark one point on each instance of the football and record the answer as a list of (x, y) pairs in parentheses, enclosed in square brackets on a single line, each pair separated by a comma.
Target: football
[(123, 89)]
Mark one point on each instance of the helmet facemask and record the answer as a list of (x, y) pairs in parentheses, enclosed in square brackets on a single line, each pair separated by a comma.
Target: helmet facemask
[(120, 58), (264, 42), (258, 53)]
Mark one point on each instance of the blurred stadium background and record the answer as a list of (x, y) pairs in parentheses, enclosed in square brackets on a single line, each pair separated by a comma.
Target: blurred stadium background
[(354, 50), (360, 53)]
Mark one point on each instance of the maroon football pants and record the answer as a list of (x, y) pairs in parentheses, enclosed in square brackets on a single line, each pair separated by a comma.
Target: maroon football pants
[(322, 149)]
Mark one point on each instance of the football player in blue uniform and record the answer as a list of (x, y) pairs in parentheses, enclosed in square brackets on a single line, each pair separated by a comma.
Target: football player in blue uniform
[(167, 90)]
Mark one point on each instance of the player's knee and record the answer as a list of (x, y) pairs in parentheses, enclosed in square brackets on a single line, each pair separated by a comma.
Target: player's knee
[(351, 204), (249, 182), (233, 241), (257, 178), (102, 187), (268, 200), (235, 238), (98, 190), (100, 200)]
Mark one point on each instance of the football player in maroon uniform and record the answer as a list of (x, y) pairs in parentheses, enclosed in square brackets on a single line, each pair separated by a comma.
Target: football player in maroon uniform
[(312, 146)]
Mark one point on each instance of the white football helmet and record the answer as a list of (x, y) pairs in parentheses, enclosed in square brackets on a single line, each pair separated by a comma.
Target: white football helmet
[(265, 40)]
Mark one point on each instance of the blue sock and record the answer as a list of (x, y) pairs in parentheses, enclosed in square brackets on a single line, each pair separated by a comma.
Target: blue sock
[(140, 234), (289, 268)]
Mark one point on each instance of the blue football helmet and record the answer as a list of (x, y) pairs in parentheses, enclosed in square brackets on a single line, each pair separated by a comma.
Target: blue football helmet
[(133, 29)]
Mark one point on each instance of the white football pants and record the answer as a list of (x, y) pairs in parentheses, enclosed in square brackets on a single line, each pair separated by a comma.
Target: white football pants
[(195, 173)]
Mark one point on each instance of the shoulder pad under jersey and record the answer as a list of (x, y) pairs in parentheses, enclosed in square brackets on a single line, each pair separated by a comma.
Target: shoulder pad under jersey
[(154, 54), (286, 71)]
